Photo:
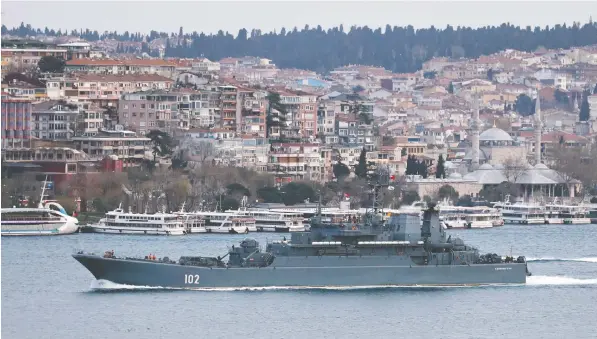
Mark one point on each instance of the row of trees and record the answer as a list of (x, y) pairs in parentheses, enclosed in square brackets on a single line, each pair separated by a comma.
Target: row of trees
[(399, 49)]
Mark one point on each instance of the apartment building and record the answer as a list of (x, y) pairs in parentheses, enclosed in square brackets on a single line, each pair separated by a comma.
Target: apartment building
[(122, 67), (125, 145), (103, 89), (19, 55), (230, 112), (253, 112), (54, 120), (33, 90), (16, 122), (301, 110), (295, 161)]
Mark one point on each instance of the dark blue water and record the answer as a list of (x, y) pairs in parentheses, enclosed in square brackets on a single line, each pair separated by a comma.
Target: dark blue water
[(47, 294)]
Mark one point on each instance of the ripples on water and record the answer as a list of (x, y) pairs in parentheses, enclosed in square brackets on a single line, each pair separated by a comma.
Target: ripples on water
[(47, 294)]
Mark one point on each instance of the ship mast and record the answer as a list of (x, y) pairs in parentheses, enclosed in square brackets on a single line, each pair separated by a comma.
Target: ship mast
[(377, 179)]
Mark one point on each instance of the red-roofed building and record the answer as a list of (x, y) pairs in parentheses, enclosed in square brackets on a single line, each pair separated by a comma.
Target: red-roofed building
[(129, 66)]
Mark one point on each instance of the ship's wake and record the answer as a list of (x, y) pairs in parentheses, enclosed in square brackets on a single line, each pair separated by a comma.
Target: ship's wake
[(542, 280), (551, 259), (108, 286)]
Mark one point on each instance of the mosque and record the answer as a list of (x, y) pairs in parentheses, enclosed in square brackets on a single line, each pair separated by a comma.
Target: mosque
[(495, 157)]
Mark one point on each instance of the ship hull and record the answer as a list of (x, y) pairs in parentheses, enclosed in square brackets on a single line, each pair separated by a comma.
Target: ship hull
[(157, 274)]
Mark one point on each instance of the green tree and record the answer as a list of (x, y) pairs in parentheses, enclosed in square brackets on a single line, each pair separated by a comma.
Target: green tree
[(51, 64), (360, 170), (409, 197), (403, 152), (269, 194), (524, 105), (465, 201), (178, 161), (490, 73), (297, 192), (440, 171), (561, 96), (451, 88), (585, 111), (595, 89), (447, 192), (341, 171), (162, 143), (429, 74), (274, 119)]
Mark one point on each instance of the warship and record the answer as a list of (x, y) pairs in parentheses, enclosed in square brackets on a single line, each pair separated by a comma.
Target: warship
[(379, 250)]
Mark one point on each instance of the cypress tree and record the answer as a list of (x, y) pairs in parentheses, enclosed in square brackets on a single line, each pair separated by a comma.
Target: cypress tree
[(440, 172)]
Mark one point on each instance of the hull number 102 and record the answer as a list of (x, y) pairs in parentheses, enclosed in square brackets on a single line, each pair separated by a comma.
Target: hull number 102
[(191, 279)]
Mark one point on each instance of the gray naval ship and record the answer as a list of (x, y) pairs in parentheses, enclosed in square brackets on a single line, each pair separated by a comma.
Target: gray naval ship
[(382, 250)]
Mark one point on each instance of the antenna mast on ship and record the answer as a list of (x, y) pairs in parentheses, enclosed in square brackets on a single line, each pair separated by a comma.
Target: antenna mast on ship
[(377, 179)]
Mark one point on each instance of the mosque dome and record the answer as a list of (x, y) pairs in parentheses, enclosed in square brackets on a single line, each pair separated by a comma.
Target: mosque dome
[(495, 134), (455, 175)]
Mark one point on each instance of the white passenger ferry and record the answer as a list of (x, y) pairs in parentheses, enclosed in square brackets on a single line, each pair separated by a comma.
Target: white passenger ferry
[(521, 213), (42, 220), (566, 214), (225, 222), (121, 222), (471, 217), (267, 221)]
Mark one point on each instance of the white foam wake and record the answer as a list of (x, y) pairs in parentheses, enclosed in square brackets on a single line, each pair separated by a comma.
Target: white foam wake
[(558, 280), (108, 285), (547, 259)]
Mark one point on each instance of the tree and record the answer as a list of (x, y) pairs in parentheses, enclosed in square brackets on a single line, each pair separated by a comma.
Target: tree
[(51, 64), (403, 152), (178, 161), (451, 88), (561, 96), (429, 74), (274, 119), (595, 89), (447, 192), (416, 167), (513, 168), (490, 73), (585, 111), (465, 201), (400, 49), (495, 193), (297, 192), (388, 140), (162, 143), (524, 105), (409, 197), (269, 195), (360, 170), (440, 171), (341, 171)]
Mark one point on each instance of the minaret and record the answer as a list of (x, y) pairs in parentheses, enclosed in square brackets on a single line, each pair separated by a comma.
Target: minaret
[(475, 128), (538, 130)]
